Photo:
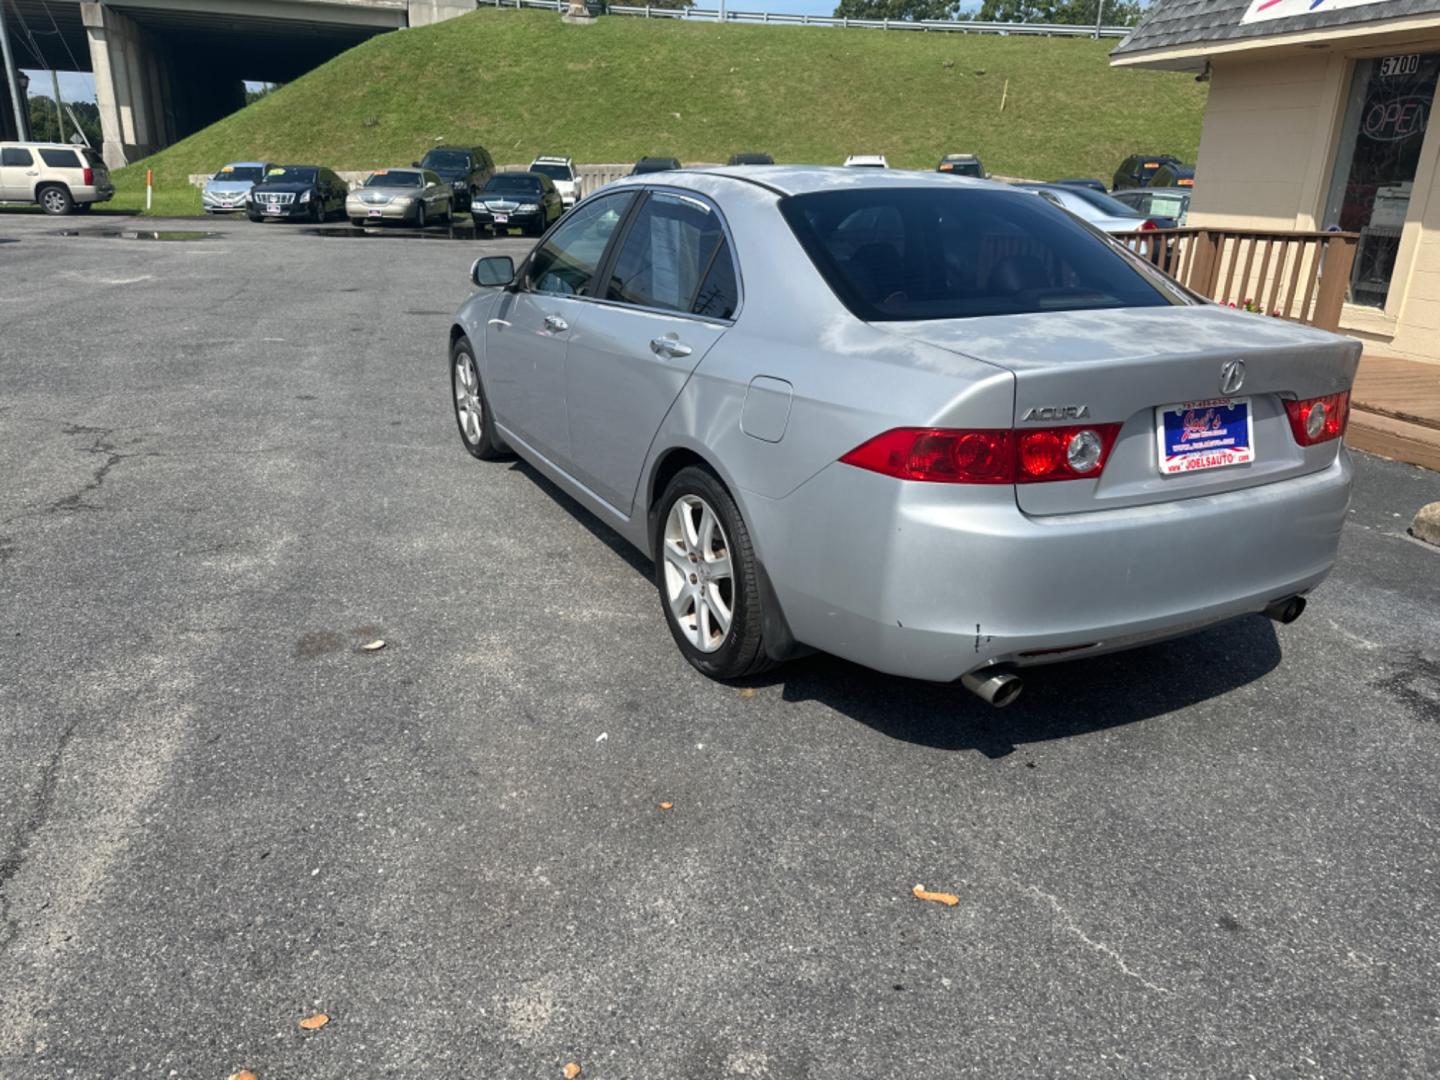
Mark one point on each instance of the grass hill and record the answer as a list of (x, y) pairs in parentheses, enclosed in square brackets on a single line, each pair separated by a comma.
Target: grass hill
[(523, 82)]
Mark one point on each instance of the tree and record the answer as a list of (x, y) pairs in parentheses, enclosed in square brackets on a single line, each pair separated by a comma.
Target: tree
[(43, 125), (1062, 12), (899, 10)]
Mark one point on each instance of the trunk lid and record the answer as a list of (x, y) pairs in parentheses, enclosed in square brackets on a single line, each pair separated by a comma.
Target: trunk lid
[(1121, 365)]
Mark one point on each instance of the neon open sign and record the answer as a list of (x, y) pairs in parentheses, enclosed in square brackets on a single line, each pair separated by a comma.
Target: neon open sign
[(1396, 118)]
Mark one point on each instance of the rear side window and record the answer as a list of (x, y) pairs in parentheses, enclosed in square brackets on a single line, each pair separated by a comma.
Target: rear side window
[(60, 159), (16, 157), (719, 294), (666, 254), (920, 253), (565, 264)]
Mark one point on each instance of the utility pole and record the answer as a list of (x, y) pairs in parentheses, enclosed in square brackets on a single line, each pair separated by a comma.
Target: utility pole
[(22, 107), (59, 108)]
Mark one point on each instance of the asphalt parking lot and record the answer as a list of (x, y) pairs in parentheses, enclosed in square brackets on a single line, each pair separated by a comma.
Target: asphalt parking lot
[(228, 463)]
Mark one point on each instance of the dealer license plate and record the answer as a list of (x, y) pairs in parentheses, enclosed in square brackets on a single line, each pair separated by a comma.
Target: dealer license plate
[(501, 219), (377, 213), (273, 208), (1211, 434)]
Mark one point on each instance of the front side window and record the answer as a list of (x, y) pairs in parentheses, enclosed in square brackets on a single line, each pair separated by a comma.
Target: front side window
[(16, 157), (917, 253), (565, 264), (666, 253), (59, 159), (1375, 164)]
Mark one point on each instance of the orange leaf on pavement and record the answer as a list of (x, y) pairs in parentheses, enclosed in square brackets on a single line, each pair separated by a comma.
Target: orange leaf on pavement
[(948, 899), (572, 1070), (244, 1074), (315, 1023), (667, 805)]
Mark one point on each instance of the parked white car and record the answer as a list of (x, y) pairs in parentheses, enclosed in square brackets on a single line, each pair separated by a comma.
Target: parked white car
[(228, 191), (866, 161), (60, 178), (561, 170)]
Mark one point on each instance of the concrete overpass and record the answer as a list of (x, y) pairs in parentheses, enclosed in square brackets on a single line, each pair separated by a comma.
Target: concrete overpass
[(167, 68)]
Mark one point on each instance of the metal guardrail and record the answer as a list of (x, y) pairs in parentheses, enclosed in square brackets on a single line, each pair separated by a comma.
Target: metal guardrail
[(947, 26)]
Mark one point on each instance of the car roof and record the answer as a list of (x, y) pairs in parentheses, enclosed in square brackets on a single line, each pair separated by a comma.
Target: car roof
[(960, 157), (515, 172), (1187, 191), (552, 157), (246, 164), (804, 179)]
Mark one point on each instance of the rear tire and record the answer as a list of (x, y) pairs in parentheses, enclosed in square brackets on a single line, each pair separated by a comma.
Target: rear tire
[(472, 408), (707, 577), (55, 200)]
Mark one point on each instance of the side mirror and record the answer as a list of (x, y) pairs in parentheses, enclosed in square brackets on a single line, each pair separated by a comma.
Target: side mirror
[(493, 271)]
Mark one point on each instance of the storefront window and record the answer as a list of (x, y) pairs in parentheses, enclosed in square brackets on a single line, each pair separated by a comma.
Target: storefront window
[(1385, 121)]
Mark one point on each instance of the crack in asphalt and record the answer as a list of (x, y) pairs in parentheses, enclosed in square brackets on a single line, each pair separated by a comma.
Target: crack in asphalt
[(101, 445), (38, 814)]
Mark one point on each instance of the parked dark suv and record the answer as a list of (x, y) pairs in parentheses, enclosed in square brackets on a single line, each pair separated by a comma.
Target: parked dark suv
[(308, 192), (654, 164), (467, 169), (1138, 169)]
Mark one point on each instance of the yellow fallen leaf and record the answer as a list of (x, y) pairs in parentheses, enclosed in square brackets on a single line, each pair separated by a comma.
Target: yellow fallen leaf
[(748, 691), (244, 1074), (571, 1070), (374, 646), (667, 805), (948, 899), (314, 1023)]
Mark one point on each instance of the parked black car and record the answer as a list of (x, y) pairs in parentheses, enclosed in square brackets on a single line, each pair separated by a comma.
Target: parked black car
[(1138, 169), (467, 169), (1093, 185), (755, 158), (962, 165), (308, 192), (654, 164), (1173, 176), (524, 200)]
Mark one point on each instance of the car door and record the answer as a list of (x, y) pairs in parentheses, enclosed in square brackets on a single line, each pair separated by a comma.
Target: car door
[(529, 332), (669, 296), (17, 165)]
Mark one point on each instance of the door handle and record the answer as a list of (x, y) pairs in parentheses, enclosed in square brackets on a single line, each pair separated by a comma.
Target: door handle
[(556, 323), (666, 346)]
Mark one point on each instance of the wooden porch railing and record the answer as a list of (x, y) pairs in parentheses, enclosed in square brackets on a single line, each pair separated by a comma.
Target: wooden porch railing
[(1302, 276)]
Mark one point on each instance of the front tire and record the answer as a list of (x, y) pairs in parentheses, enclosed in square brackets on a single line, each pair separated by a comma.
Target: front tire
[(55, 200), (472, 408), (420, 215), (706, 574)]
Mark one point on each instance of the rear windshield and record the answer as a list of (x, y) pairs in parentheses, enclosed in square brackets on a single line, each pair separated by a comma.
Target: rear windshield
[(523, 185), (394, 178), (95, 160), (59, 159), (920, 253), (555, 172), (963, 168)]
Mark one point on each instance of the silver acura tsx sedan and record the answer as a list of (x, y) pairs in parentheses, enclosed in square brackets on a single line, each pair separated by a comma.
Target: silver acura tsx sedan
[(937, 427)]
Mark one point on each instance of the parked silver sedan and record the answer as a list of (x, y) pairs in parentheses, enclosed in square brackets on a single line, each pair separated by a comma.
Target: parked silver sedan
[(936, 426), (417, 196)]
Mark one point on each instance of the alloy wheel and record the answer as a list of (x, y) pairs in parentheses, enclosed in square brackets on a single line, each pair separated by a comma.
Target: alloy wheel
[(699, 579), (54, 201), (467, 398)]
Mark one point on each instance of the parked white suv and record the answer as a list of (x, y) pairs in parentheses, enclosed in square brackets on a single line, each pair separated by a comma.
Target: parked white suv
[(60, 178), (562, 171)]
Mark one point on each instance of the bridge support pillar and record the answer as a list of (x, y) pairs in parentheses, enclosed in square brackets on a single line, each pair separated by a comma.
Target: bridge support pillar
[(132, 86), (425, 12)]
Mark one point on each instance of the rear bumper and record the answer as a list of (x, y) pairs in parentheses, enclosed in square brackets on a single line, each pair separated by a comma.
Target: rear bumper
[(931, 581)]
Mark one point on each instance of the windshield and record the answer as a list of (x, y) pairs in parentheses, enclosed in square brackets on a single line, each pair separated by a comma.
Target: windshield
[(555, 172), (446, 159), (963, 168), (291, 174), (515, 185), (240, 174), (917, 253), (1106, 204), (395, 178)]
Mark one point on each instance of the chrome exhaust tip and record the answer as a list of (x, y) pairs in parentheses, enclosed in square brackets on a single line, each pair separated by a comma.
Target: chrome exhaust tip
[(1286, 611), (997, 688)]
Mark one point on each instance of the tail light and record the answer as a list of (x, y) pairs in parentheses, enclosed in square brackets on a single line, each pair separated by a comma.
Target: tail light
[(87, 178), (988, 455), (1148, 226), (1320, 419)]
